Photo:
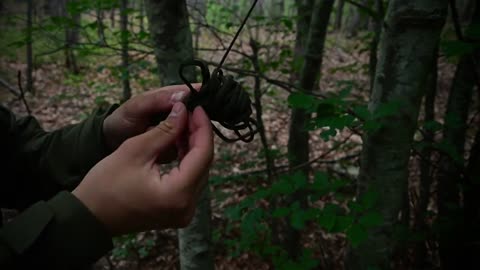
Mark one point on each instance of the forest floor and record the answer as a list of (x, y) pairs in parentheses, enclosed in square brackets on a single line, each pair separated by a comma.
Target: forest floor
[(63, 98)]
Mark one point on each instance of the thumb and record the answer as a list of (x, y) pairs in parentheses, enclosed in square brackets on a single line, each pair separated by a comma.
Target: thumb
[(163, 136)]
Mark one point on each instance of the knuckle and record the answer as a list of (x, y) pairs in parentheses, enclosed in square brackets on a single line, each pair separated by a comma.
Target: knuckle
[(128, 145), (166, 127)]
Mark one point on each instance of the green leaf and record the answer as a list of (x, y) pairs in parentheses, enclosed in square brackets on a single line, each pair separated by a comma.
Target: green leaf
[(433, 126), (356, 234), (342, 224), (327, 134), (325, 110), (369, 199), (473, 31), (371, 219), (386, 109), (320, 184), (297, 220), (327, 220), (302, 101), (288, 23), (281, 212), (355, 207), (453, 48), (299, 181)]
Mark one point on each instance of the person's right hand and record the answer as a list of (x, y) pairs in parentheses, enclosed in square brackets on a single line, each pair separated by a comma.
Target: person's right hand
[(128, 193)]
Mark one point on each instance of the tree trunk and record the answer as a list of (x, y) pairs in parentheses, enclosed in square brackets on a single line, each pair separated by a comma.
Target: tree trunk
[(112, 17), (195, 241), (339, 15), (465, 10), (298, 146), (450, 175), (142, 15), (304, 16), (472, 204), (426, 171), (379, 8), (100, 26), (408, 46), (71, 39), (127, 91), (172, 39), (357, 20), (29, 47)]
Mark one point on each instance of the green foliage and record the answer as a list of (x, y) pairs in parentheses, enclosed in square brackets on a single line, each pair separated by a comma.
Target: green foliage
[(129, 246), (455, 48), (251, 220)]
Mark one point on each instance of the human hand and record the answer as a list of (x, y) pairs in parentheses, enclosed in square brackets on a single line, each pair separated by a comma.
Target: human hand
[(128, 193), (135, 116)]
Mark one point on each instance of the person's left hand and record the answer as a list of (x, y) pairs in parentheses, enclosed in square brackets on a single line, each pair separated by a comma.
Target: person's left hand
[(135, 116)]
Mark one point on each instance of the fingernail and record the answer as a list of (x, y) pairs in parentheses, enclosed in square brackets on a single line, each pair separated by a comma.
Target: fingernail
[(177, 97), (176, 110)]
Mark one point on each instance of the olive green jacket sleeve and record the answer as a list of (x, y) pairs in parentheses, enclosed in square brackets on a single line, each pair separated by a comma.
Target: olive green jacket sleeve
[(54, 230)]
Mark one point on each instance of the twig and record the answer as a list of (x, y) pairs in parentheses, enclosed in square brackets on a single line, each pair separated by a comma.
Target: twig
[(22, 93), (9, 88)]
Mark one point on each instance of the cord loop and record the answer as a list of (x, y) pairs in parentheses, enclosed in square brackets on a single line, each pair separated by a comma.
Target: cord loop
[(224, 101)]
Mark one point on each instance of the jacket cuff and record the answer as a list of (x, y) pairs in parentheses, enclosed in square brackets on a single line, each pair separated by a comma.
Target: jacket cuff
[(75, 233), (93, 146), (59, 234)]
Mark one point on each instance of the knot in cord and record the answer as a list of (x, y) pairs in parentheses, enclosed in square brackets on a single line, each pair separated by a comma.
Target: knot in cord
[(224, 101)]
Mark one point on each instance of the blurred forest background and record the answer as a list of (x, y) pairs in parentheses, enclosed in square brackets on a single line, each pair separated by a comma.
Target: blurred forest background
[(368, 151)]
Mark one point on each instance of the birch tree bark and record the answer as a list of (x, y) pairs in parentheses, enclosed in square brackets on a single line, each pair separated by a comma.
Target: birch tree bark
[(408, 45)]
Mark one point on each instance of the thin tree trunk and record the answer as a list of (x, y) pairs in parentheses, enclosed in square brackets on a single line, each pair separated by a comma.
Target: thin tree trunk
[(401, 78), (29, 47), (339, 15), (100, 26), (466, 8), (298, 145), (470, 245), (426, 171), (357, 21), (269, 159), (71, 39), (449, 175), (127, 91), (112, 17), (376, 39), (172, 39), (304, 16), (142, 15), (451, 250)]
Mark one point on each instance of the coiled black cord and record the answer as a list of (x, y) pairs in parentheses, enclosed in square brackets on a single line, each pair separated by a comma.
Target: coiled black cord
[(224, 101)]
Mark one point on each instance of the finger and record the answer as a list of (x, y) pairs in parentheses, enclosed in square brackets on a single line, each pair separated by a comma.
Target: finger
[(199, 157), (182, 145), (169, 155), (156, 142), (157, 101)]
